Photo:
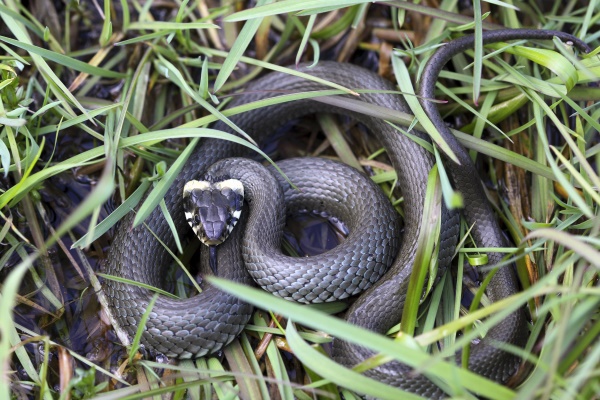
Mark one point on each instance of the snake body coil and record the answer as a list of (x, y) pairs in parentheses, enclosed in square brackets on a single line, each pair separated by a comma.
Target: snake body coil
[(205, 323)]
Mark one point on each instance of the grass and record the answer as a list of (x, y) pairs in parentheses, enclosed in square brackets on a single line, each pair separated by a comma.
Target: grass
[(126, 97)]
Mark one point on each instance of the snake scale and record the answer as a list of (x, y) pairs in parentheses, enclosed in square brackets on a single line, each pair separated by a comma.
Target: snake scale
[(205, 323)]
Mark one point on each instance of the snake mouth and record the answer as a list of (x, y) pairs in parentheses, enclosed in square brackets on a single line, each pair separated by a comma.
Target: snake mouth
[(213, 208)]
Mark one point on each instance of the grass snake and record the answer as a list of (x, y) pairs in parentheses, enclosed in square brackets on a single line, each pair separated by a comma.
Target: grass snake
[(205, 323)]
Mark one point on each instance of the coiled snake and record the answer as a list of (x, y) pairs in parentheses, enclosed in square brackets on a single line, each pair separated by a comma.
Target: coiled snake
[(205, 323)]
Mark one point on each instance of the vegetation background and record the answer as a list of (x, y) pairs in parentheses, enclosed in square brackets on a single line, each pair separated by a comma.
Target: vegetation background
[(93, 99)]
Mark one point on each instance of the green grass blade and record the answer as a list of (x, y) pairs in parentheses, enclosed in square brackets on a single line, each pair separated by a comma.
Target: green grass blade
[(63, 60), (570, 241), (239, 47), (404, 82), (342, 376), (138, 284), (289, 6), (378, 343), (114, 217), (135, 343), (425, 255), (171, 26)]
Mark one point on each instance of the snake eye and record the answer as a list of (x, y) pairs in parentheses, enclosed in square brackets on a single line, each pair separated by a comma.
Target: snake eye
[(196, 219)]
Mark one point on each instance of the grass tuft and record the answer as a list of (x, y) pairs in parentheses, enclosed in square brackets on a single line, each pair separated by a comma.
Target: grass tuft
[(100, 102)]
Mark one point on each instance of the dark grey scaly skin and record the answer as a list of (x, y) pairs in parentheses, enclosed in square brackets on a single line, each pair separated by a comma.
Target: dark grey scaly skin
[(207, 322), (136, 255), (353, 266)]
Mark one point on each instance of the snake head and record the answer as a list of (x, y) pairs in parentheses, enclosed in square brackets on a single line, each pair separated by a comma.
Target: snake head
[(213, 208)]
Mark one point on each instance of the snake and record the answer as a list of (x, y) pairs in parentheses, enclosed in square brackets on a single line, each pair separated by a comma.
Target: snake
[(205, 323)]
